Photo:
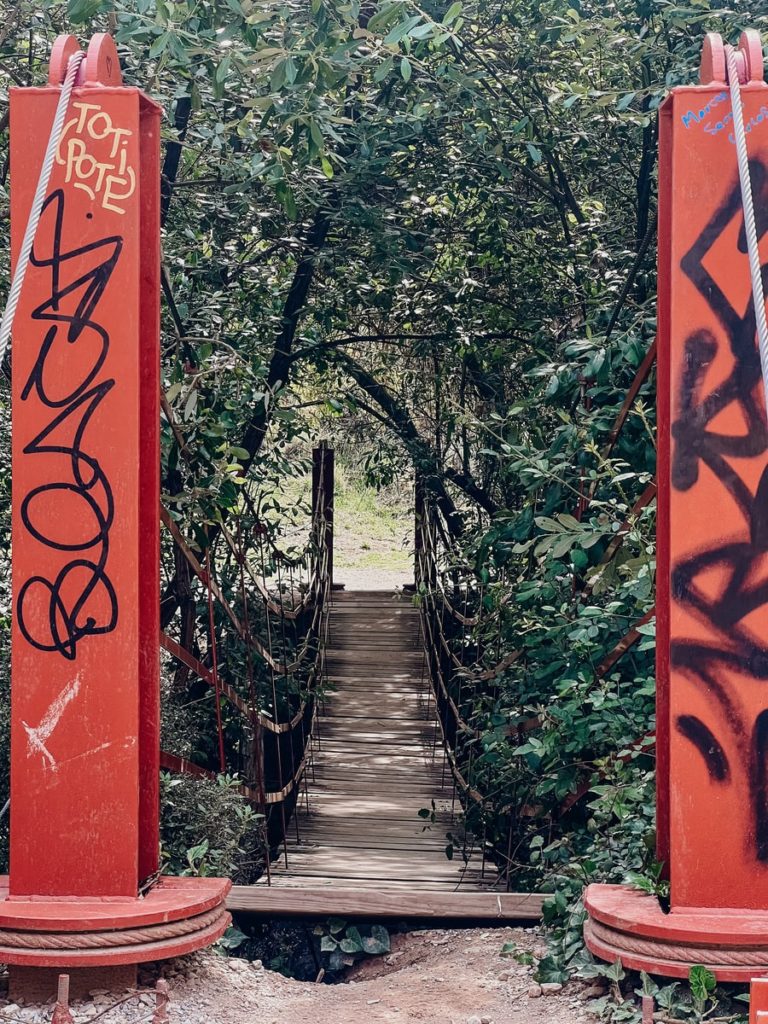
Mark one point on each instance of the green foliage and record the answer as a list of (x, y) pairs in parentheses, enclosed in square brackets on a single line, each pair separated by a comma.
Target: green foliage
[(703, 984), (345, 943), (208, 829), (376, 220)]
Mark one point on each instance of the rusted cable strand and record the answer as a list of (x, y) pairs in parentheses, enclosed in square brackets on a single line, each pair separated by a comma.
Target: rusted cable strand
[(626, 643), (643, 373), (643, 746), (214, 661)]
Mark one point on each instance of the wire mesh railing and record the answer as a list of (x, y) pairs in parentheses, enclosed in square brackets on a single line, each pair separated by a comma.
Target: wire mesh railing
[(256, 645)]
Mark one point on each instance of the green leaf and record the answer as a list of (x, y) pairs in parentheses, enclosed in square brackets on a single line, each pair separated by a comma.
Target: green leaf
[(452, 13), (159, 44), (615, 972), (384, 69), (79, 11), (352, 941), (534, 151), (702, 982), (377, 942), (405, 69), (403, 29), (327, 167), (291, 70), (223, 69), (316, 133), (328, 944)]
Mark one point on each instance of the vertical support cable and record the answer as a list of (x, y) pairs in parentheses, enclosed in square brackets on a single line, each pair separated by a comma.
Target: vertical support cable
[(36, 210), (750, 226)]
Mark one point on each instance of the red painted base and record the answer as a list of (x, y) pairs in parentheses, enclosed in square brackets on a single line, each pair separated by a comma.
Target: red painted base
[(628, 925), (177, 916)]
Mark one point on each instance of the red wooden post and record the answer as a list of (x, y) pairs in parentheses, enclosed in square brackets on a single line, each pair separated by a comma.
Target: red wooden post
[(419, 525), (712, 599), (85, 655), (322, 498), (758, 1000)]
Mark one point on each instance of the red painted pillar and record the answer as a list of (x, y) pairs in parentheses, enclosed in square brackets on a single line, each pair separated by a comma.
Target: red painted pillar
[(85, 655), (712, 588), (84, 412)]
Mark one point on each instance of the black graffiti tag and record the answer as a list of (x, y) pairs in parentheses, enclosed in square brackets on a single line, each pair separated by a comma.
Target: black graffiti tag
[(695, 443), (81, 600)]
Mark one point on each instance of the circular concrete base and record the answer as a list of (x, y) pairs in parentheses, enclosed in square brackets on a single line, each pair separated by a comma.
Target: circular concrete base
[(177, 916), (628, 925)]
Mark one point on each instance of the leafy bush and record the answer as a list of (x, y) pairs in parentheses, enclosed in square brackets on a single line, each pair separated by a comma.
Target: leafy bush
[(307, 950), (208, 828)]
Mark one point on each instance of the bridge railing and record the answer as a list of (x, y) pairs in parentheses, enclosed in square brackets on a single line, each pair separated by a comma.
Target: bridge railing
[(256, 646)]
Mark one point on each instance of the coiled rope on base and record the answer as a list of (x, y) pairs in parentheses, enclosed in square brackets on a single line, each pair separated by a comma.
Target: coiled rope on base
[(623, 943), (110, 939), (36, 210)]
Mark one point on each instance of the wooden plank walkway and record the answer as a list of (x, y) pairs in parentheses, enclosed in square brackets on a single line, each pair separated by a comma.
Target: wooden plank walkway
[(377, 762)]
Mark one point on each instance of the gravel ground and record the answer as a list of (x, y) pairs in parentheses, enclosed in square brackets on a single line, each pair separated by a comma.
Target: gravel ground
[(431, 977)]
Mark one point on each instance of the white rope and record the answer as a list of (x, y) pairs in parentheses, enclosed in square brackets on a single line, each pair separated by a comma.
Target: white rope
[(750, 226), (37, 203)]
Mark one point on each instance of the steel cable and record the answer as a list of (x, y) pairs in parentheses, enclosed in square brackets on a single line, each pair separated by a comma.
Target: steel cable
[(750, 226), (36, 210)]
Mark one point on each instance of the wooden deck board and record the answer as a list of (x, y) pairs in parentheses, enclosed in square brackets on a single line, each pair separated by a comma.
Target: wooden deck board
[(362, 848)]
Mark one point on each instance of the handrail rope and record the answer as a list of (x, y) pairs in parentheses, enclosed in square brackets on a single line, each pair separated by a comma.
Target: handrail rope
[(183, 766), (258, 719), (486, 674), (429, 648), (176, 650), (463, 784), (278, 745), (38, 201), (292, 613), (750, 225), (173, 762), (200, 572)]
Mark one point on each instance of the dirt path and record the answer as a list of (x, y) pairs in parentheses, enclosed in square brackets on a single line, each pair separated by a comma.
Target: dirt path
[(373, 579), (430, 977)]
